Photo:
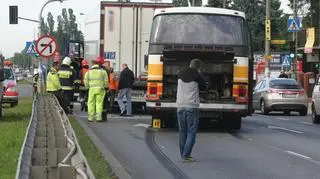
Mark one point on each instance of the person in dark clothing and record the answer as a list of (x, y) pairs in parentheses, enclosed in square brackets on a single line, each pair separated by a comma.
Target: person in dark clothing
[(190, 82), (67, 78), (126, 81), (283, 75)]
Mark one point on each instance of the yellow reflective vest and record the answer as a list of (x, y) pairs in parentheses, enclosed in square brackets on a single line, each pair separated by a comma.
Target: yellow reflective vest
[(96, 78), (53, 82)]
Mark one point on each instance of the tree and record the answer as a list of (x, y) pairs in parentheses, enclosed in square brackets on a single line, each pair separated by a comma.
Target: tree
[(183, 3), (22, 59), (51, 22), (43, 27), (218, 3), (180, 3), (67, 28), (309, 9), (255, 13)]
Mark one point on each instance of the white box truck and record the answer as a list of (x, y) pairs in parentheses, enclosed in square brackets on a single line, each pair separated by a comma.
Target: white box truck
[(124, 38)]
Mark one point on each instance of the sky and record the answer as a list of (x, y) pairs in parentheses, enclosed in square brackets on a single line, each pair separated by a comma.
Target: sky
[(13, 38)]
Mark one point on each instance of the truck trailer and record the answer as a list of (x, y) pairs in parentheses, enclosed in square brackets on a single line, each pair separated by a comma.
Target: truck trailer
[(124, 35)]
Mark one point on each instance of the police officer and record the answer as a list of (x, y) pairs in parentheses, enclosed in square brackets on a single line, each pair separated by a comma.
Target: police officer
[(83, 91), (66, 77), (53, 84), (96, 81)]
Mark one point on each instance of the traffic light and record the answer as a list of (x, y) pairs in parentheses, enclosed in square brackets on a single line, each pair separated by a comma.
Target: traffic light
[(13, 14), (292, 48)]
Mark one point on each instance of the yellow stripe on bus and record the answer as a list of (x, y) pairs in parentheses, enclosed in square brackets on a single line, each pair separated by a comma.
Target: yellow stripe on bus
[(240, 71), (155, 71)]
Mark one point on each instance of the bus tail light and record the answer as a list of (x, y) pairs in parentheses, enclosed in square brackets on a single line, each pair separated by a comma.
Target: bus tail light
[(242, 97), (154, 91)]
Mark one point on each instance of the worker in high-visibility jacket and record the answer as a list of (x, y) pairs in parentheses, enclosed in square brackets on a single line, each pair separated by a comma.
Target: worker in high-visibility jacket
[(104, 66), (53, 84), (66, 77), (96, 81), (83, 91)]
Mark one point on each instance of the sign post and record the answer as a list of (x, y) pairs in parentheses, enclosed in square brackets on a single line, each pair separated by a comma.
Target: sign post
[(46, 46)]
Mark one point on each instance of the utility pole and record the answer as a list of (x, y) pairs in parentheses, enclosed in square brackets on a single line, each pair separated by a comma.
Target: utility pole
[(267, 38), (224, 3), (295, 39)]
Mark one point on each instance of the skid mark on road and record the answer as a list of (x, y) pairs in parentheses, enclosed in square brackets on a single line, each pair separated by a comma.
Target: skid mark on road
[(285, 129), (175, 171)]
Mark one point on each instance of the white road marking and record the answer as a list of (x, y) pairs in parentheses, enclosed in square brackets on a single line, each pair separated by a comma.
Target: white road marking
[(83, 116), (308, 123), (284, 119), (285, 129), (298, 155), (142, 125), (288, 152)]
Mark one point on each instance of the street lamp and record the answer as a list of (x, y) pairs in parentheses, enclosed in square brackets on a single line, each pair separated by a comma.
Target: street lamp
[(40, 15), (42, 65)]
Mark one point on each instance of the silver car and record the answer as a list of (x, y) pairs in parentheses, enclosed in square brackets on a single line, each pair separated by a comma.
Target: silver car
[(280, 94)]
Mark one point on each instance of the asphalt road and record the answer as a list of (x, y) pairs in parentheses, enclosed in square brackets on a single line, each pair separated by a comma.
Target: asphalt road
[(273, 146)]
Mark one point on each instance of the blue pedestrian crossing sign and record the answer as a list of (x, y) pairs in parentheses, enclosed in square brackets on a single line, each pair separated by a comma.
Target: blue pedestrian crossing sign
[(286, 62), (294, 25), (31, 48)]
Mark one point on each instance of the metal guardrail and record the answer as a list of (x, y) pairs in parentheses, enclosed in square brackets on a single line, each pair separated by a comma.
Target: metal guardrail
[(50, 148)]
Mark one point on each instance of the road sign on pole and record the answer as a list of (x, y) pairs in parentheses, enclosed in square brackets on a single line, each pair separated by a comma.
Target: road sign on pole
[(31, 48), (46, 46), (294, 25), (286, 62)]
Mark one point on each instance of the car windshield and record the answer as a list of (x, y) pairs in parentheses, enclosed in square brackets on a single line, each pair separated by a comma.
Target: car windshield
[(284, 84), (8, 74), (198, 29)]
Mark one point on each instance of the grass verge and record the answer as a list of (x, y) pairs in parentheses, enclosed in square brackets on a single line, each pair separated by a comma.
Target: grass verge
[(97, 163), (13, 127)]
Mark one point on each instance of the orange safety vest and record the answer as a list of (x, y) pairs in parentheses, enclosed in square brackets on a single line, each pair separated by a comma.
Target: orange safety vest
[(113, 84), (83, 73)]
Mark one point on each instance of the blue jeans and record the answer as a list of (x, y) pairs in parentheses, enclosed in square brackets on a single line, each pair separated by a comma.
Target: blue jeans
[(188, 120), (126, 92)]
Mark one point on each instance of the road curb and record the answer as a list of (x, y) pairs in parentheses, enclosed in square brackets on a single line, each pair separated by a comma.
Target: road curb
[(119, 170)]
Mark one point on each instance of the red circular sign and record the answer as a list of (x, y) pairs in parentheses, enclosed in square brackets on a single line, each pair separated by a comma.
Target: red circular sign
[(46, 46)]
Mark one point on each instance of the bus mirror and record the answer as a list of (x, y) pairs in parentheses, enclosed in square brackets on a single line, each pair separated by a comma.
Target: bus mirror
[(146, 60)]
